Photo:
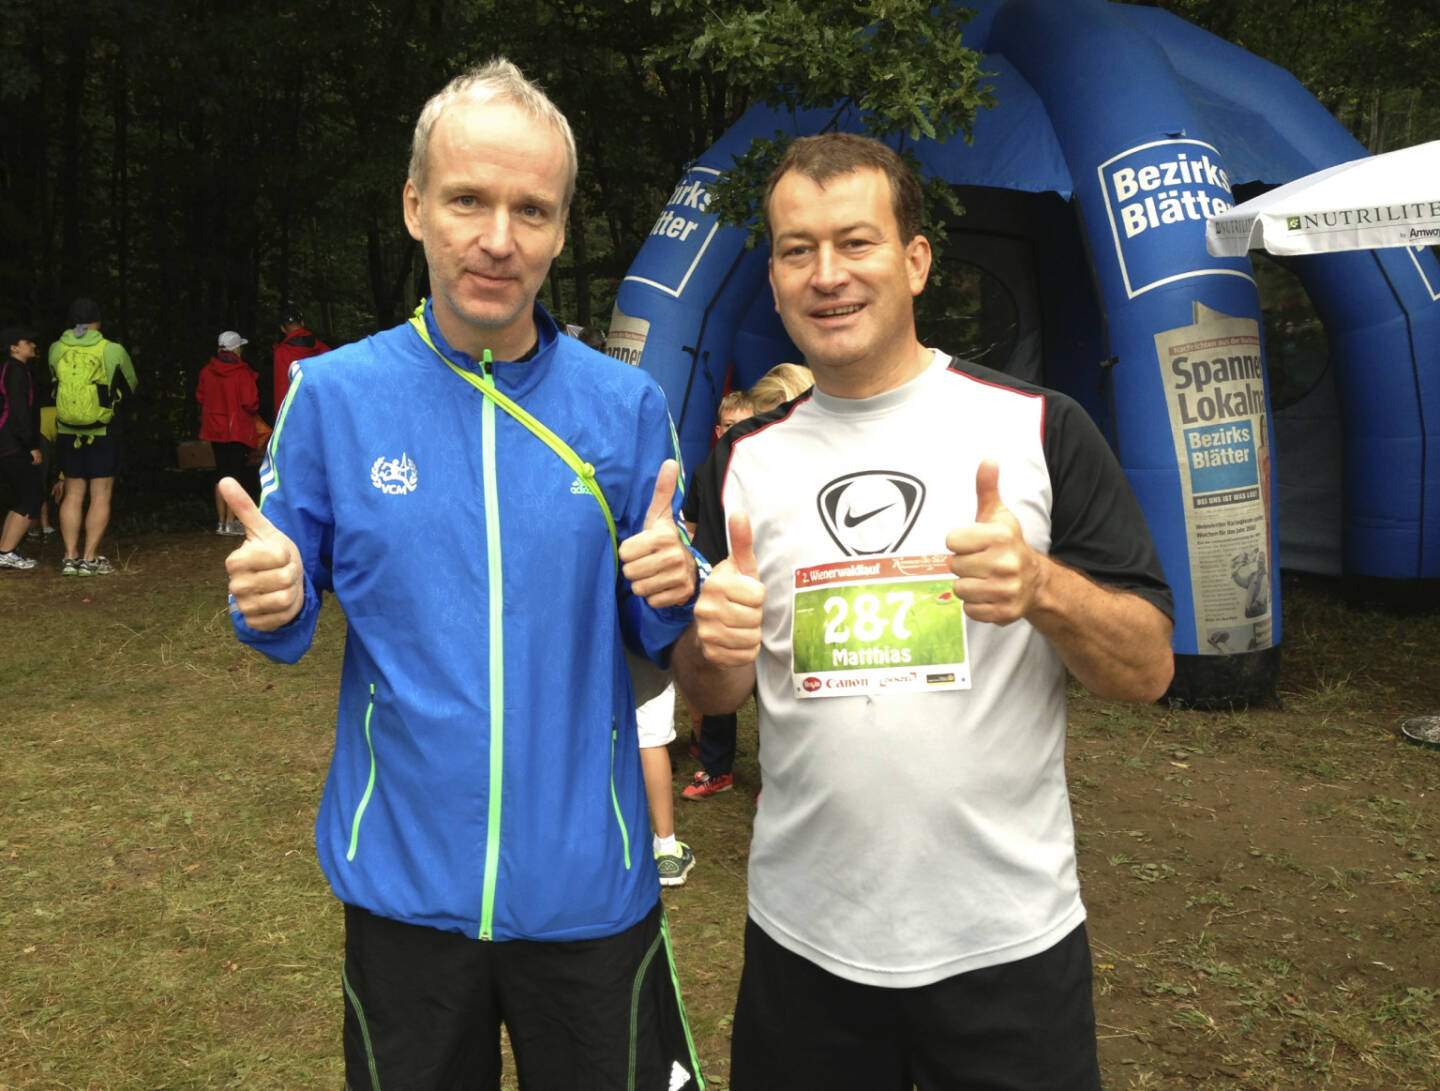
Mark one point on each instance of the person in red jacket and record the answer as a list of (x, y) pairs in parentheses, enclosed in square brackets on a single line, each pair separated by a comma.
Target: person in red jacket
[(296, 343), (228, 397)]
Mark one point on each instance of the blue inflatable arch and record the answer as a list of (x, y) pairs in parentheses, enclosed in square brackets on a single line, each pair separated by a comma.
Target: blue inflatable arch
[(1118, 130)]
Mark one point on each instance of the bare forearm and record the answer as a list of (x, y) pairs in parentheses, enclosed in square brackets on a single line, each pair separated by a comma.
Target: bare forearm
[(713, 689), (1116, 643)]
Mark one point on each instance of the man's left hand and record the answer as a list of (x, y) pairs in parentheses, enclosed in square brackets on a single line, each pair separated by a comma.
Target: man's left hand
[(661, 570), (997, 573)]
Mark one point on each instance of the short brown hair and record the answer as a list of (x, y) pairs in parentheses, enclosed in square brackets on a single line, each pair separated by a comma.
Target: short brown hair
[(821, 158)]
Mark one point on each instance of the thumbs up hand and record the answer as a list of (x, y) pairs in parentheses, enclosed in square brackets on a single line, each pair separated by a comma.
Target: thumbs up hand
[(730, 607), (267, 577), (655, 561), (997, 574)]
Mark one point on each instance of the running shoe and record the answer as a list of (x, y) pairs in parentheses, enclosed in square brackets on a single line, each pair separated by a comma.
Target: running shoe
[(100, 566), (674, 866), (704, 785), (237, 528), (11, 559), (71, 566)]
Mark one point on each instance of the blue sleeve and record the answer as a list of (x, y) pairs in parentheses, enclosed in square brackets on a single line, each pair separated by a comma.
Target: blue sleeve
[(288, 643), (648, 630), (295, 497)]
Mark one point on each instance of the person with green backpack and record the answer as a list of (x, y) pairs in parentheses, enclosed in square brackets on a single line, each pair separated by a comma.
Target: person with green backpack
[(92, 376)]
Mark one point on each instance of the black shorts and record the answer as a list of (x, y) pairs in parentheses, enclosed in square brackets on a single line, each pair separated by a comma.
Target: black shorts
[(230, 459), (27, 488), (423, 1010), (89, 457), (1022, 1025)]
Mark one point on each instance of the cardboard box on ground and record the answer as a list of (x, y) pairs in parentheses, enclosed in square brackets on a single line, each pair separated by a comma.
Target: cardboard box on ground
[(195, 454)]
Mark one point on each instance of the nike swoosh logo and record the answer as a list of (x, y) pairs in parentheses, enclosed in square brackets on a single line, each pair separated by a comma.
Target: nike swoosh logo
[(853, 520)]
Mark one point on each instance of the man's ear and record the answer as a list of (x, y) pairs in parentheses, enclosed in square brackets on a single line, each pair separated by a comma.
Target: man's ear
[(410, 205), (917, 263)]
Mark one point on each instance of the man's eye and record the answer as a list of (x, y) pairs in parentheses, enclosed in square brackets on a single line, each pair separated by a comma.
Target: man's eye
[(532, 212), (466, 200)]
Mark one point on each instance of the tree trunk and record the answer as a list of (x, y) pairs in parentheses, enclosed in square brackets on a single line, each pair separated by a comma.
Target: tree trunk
[(580, 256), (120, 190), (74, 253)]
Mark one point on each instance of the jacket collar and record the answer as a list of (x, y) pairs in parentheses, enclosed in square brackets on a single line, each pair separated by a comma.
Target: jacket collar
[(547, 332)]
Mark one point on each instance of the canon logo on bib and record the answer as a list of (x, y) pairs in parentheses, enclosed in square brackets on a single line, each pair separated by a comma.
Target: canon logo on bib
[(871, 511)]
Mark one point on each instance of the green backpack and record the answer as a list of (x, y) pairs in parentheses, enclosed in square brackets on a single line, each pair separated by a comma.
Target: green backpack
[(82, 386)]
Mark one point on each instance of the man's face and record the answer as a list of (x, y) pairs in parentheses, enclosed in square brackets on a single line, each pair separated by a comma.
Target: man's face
[(24, 351), (729, 417), (844, 280), (491, 219)]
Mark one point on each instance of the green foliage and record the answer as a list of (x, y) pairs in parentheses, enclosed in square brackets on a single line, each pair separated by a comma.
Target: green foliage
[(247, 155), (900, 63), (1370, 62)]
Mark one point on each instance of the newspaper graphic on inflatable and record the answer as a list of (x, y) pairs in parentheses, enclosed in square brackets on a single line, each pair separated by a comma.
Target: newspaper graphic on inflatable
[(1215, 389), (627, 337)]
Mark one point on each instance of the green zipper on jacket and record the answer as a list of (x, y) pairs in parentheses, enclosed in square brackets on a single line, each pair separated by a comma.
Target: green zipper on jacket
[(369, 784), (615, 796), (497, 656)]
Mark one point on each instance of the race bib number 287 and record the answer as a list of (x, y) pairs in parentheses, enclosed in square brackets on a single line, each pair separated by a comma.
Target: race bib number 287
[(878, 625)]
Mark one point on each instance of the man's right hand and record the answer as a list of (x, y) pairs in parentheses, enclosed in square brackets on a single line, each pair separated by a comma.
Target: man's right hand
[(730, 607), (267, 576)]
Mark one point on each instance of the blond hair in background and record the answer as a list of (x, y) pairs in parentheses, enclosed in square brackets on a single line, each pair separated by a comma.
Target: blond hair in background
[(737, 401), (781, 383)]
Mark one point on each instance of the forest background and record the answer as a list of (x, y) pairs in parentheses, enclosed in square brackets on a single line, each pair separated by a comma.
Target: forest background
[(196, 167)]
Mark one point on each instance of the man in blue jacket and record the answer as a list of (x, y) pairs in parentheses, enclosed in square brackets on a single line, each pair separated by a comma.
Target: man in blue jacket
[(496, 538)]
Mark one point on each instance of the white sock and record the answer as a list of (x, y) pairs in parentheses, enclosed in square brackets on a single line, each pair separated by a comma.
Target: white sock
[(665, 846)]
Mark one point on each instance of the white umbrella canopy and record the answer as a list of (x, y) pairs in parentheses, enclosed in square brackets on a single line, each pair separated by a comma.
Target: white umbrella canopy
[(1382, 200)]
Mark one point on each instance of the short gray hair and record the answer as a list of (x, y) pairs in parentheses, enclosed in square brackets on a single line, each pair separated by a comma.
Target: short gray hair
[(497, 79)]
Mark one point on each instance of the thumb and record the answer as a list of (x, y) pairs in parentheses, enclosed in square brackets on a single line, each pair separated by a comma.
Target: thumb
[(742, 545), (660, 503), (987, 491), (256, 525)]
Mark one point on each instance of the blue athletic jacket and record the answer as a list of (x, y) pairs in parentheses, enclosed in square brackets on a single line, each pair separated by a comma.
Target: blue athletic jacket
[(486, 777)]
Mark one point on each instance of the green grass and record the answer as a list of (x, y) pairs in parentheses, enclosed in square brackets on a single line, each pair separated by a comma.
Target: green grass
[(1263, 885)]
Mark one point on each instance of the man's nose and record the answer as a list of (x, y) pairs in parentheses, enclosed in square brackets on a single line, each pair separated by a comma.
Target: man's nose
[(830, 272), (497, 237)]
